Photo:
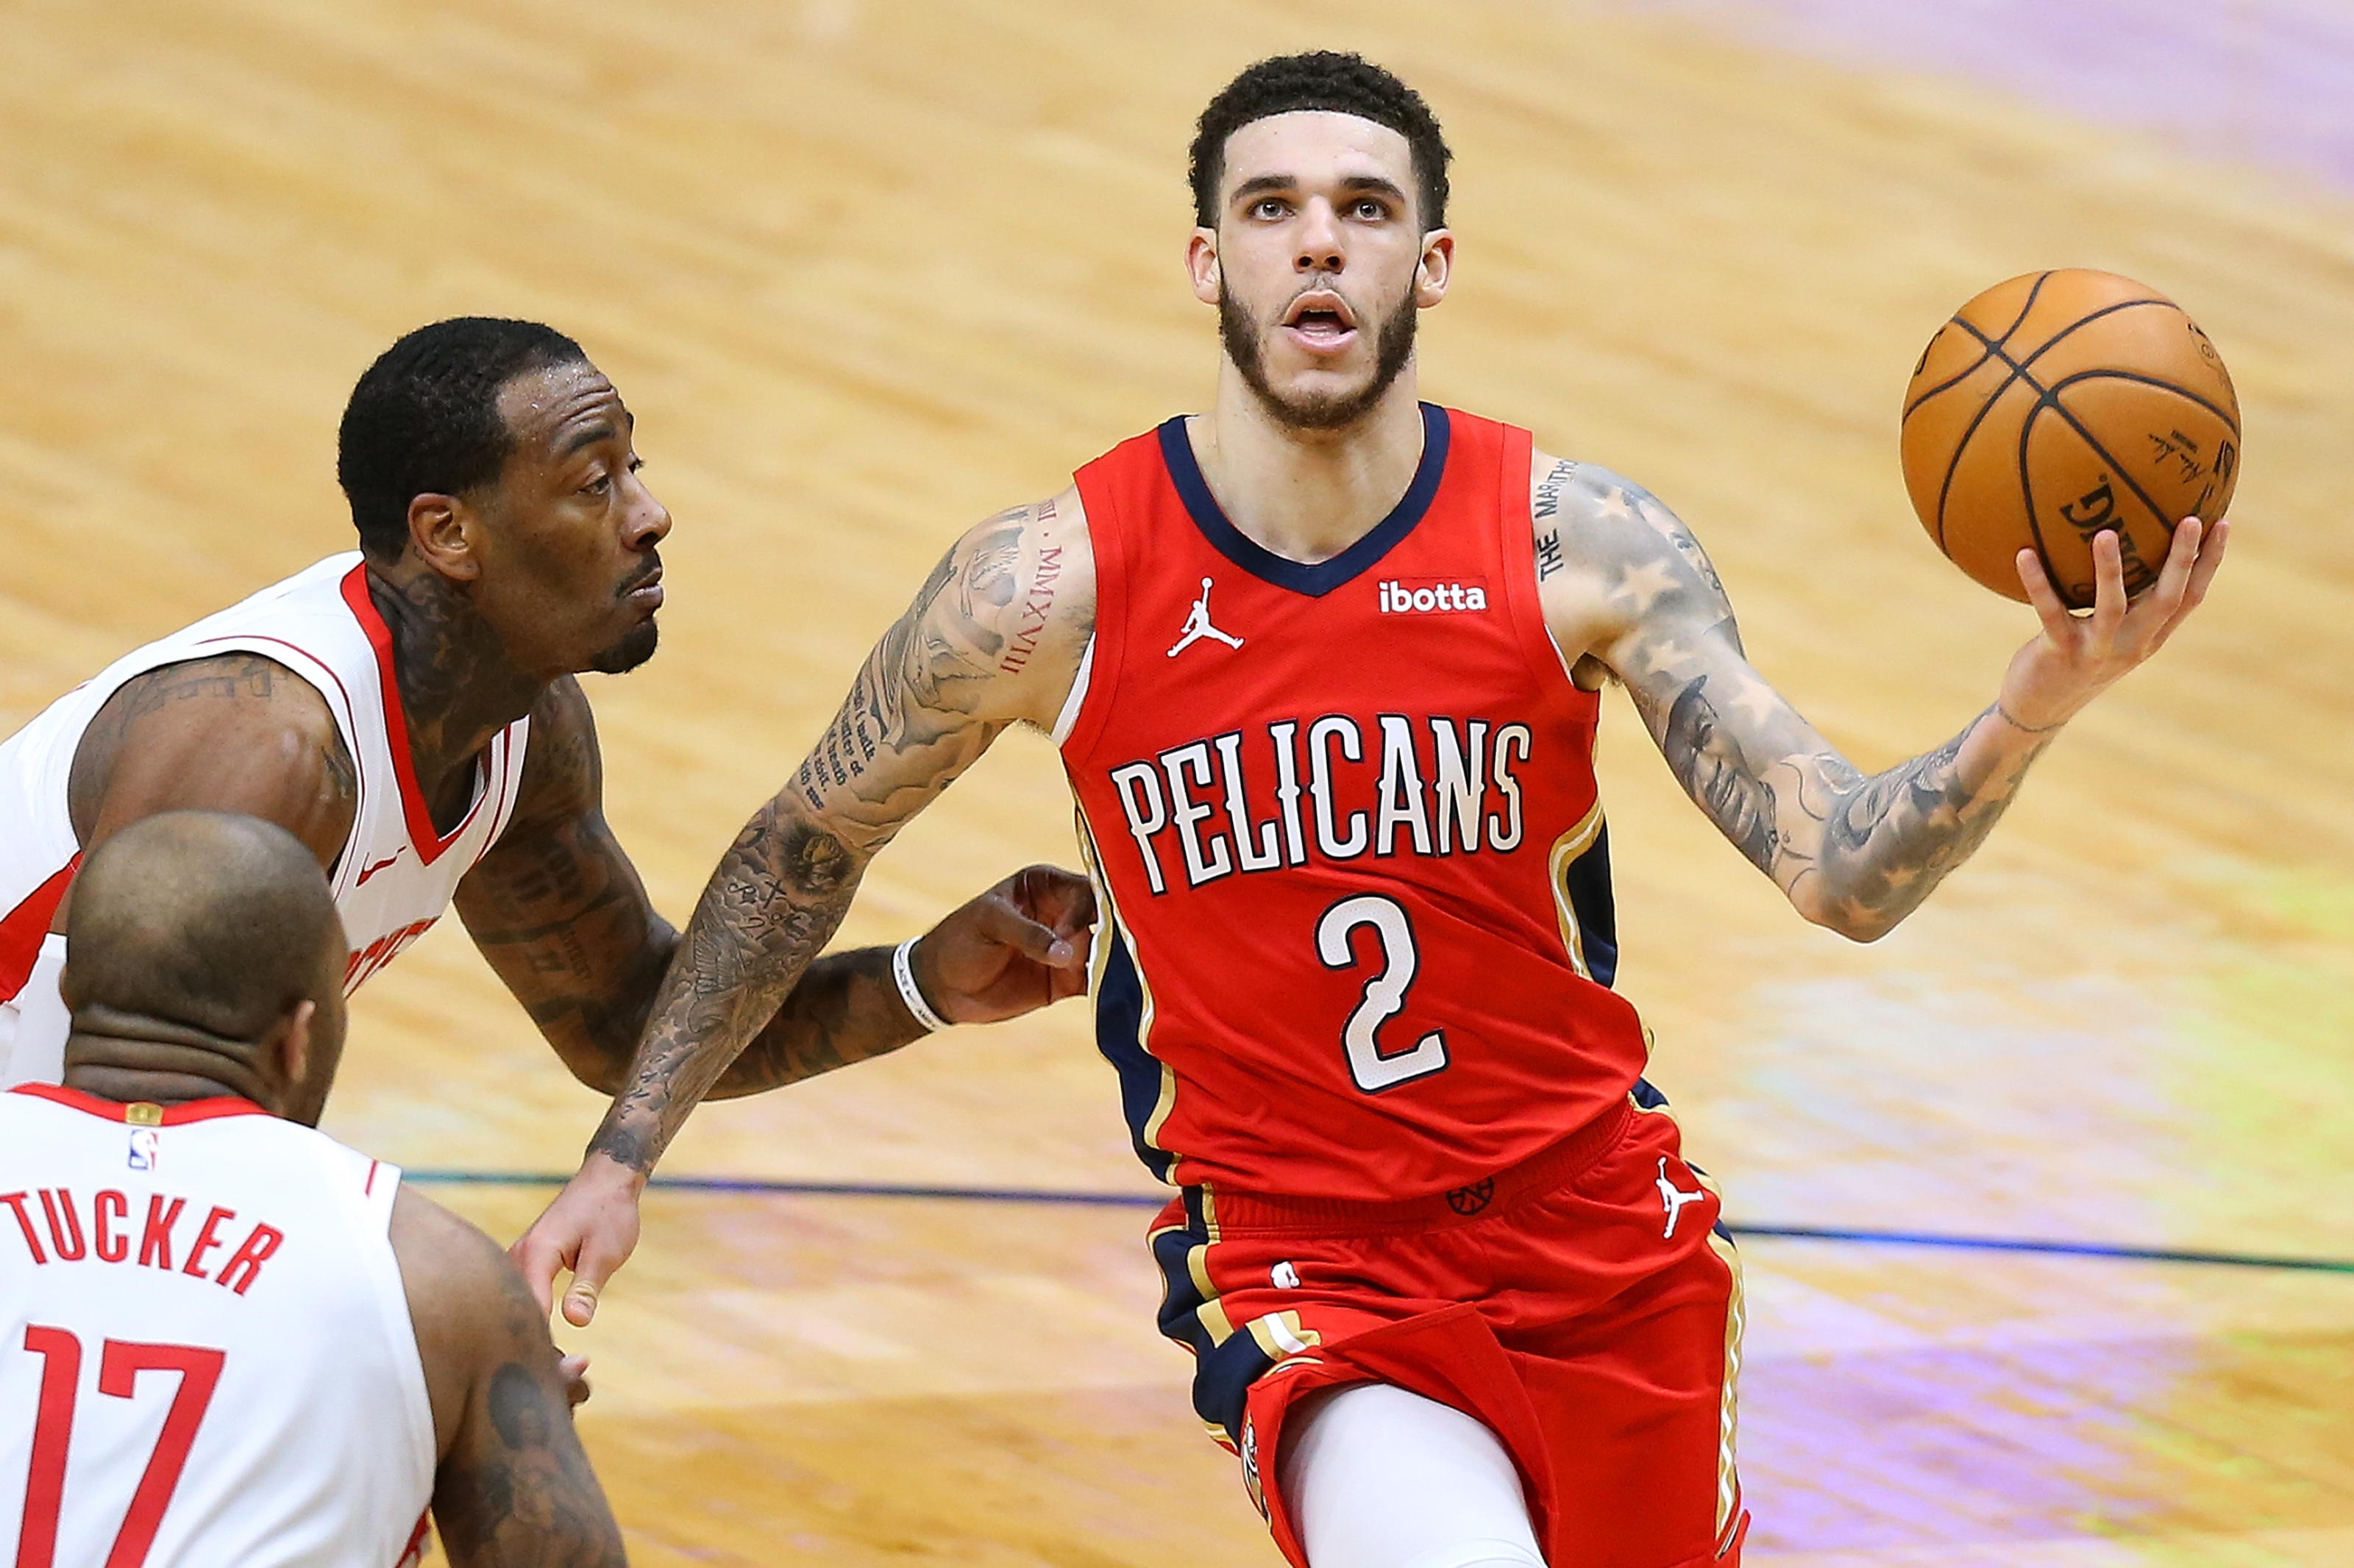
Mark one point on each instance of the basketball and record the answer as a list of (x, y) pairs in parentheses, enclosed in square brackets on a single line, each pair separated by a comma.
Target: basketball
[(2060, 406)]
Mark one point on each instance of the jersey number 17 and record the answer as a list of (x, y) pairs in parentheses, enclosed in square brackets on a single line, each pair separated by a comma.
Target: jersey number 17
[(119, 1364)]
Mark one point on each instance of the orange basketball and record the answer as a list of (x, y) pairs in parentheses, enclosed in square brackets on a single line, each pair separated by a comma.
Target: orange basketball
[(2060, 405)]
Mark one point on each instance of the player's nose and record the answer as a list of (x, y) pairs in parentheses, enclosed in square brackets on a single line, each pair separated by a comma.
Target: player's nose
[(647, 524), (1320, 239)]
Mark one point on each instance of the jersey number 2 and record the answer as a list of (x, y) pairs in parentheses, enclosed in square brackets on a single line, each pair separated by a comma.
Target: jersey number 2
[(1373, 1069), (119, 1367)]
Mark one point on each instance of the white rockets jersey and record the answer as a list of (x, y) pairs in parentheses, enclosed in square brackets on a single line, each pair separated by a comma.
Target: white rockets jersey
[(396, 873), (206, 1354)]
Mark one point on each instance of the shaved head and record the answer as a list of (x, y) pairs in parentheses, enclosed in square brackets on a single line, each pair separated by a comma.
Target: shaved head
[(214, 934)]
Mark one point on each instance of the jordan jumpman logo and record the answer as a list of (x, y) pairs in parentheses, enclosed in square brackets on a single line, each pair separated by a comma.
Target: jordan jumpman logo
[(1197, 625), (1674, 1198)]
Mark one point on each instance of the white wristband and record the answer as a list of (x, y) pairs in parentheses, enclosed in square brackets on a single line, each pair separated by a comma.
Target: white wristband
[(903, 973)]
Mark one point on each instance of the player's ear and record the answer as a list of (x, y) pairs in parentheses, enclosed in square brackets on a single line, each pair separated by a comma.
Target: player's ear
[(1436, 266), (1202, 264), (293, 1044), (439, 531)]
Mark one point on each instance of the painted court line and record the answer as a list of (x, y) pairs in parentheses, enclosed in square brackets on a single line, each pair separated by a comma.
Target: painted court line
[(756, 1187)]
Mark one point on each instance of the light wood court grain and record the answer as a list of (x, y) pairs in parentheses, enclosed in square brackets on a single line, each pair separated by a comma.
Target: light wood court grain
[(867, 271)]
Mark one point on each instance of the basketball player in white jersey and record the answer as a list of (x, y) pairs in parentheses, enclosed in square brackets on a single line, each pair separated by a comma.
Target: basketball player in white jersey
[(408, 710), (224, 1337), (1572, 1428)]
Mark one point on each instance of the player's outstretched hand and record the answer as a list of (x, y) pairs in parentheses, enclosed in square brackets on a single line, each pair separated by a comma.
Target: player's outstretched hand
[(1016, 948), (590, 1229), (2076, 657)]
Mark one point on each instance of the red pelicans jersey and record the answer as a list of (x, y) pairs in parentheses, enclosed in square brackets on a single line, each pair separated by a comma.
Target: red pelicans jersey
[(1358, 936), (206, 1354), (396, 873)]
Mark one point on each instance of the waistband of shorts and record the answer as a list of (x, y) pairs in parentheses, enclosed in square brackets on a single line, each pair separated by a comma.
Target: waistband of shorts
[(1228, 1210)]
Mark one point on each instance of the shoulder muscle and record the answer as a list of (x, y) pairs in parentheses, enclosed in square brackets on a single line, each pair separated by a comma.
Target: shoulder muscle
[(236, 733), (1614, 564)]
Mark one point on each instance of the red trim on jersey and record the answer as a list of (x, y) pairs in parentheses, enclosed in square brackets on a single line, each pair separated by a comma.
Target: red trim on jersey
[(27, 927), (368, 1189), (429, 842), (119, 1110)]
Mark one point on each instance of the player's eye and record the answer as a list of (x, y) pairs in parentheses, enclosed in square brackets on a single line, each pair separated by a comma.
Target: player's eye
[(598, 485), (1269, 207), (1370, 210)]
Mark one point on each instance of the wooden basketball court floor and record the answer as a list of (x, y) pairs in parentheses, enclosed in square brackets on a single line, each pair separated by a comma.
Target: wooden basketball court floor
[(867, 271)]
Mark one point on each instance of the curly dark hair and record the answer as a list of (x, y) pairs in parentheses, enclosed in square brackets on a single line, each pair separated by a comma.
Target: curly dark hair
[(424, 419), (1344, 83)]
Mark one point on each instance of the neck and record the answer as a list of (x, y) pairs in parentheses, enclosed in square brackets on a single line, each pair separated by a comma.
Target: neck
[(1307, 495), (458, 687), (126, 1057)]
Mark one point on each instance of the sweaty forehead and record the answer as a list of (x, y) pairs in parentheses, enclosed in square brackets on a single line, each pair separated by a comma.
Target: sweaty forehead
[(556, 406), (1314, 146)]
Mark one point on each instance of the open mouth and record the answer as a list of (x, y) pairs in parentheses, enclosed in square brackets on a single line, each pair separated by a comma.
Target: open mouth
[(1321, 320)]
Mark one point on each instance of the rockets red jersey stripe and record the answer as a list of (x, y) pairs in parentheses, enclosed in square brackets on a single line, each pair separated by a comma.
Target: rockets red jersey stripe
[(1359, 934), (26, 927)]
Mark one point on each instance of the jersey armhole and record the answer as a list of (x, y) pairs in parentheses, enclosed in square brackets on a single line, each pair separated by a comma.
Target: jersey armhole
[(1081, 721), (513, 746), (1524, 599)]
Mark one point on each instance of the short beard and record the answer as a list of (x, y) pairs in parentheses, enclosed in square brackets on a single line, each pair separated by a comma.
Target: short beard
[(633, 649), (1324, 412)]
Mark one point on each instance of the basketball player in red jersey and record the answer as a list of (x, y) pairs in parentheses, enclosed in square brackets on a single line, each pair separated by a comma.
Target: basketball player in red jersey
[(1325, 665), (225, 1338), (409, 711)]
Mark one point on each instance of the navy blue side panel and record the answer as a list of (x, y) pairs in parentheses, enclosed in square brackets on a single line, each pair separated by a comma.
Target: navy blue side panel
[(1586, 881), (1223, 1374), (1119, 1035)]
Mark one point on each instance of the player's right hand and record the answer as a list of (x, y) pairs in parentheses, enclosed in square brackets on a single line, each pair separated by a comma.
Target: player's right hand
[(592, 1228)]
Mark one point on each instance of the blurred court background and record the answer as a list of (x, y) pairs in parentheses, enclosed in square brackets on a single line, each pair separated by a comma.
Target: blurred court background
[(867, 270)]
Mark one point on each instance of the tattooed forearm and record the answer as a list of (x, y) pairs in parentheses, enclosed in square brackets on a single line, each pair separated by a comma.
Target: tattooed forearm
[(1890, 839), (958, 666), (845, 1010), (773, 902), (1852, 853)]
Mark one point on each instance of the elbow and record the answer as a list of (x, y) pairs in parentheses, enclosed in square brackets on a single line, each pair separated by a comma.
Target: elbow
[(1857, 922), (603, 1075), (605, 1071)]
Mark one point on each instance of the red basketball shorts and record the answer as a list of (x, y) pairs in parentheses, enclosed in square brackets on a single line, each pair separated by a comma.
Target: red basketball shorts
[(1582, 1304)]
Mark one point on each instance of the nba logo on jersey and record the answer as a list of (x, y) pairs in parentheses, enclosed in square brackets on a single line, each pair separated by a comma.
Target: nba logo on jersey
[(146, 1148)]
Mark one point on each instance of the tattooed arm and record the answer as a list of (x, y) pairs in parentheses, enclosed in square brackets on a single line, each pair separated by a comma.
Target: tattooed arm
[(1629, 593), (993, 638), (236, 733), (512, 1488), (560, 913)]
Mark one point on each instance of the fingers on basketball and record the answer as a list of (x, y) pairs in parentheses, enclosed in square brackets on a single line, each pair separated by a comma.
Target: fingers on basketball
[(2060, 407)]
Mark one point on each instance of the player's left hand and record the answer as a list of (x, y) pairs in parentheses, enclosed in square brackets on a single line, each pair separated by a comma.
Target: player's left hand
[(1015, 948), (2077, 657)]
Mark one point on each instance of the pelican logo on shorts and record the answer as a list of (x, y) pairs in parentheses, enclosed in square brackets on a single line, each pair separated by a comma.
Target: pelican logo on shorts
[(1429, 596), (1468, 1200)]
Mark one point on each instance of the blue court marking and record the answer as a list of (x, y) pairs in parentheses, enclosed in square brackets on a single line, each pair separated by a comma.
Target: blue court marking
[(758, 1187)]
